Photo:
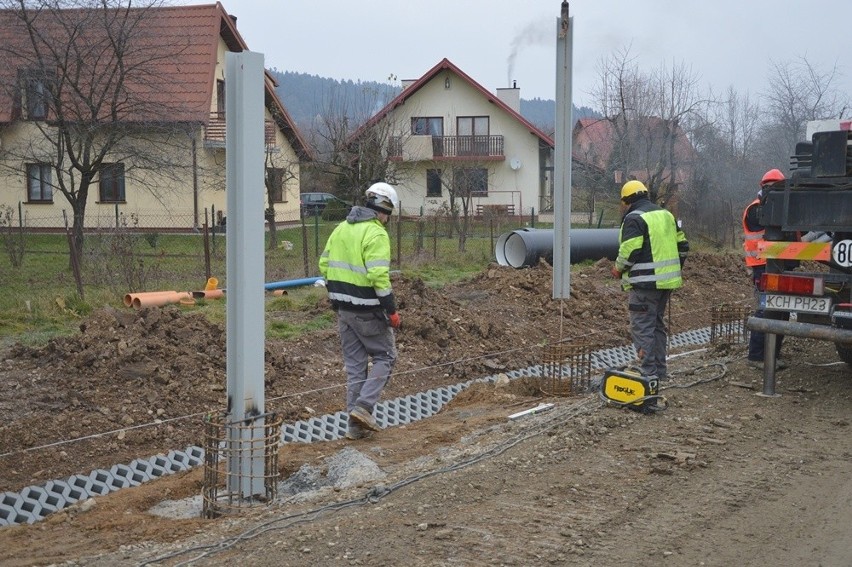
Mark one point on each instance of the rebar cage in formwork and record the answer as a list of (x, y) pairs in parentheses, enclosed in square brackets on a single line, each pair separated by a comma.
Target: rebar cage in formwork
[(567, 369), (728, 324), (226, 443)]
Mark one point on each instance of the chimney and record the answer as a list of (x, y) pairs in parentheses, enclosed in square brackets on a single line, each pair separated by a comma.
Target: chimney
[(511, 97), (233, 19), (407, 83)]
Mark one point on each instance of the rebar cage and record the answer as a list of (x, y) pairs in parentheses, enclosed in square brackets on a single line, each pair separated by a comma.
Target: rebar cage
[(567, 369), (226, 442), (728, 324)]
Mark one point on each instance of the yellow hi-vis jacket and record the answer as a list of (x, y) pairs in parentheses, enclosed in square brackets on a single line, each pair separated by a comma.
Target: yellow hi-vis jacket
[(652, 248), (356, 264)]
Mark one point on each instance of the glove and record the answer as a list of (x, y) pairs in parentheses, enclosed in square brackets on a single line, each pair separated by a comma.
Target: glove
[(615, 273), (394, 320)]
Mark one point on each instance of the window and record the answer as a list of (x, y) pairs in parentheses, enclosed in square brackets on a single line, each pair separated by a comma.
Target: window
[(275, 184), (37, 96), (473, 134), (112, 183), (433, 183), (220, 97), (472, 125), (427, 126), (472, 181), (430, 126), (39, 184)]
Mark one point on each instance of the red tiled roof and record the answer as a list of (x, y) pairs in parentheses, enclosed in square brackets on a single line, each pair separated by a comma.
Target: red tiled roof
[(594, 139), (171, 61)]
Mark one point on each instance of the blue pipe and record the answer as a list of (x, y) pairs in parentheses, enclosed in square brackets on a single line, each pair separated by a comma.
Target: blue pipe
[(290, 283)]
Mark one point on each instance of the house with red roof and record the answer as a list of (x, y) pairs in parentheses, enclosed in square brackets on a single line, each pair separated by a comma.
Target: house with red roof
[(651, 150), (131, 103), (450, 135)]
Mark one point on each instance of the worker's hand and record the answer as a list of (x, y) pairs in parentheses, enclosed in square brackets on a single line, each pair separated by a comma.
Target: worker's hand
[(615, 273), (394, 320)]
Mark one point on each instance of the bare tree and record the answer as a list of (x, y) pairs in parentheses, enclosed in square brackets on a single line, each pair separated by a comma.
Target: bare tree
[(352, 149), (277, 173), (647, 113), (88, 83), (726, 169), (798, 91)]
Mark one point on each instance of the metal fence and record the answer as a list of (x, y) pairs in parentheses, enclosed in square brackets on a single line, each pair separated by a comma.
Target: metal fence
[(122, 247)]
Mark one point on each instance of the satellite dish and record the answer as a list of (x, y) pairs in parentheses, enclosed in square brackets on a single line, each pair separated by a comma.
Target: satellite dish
[(515, 164)]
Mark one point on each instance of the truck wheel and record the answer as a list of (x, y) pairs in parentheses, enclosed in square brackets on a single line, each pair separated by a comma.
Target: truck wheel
[(844, 351)]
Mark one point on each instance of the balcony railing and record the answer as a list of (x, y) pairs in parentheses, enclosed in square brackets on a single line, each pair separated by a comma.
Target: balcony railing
[(214, 134), (449, 147)]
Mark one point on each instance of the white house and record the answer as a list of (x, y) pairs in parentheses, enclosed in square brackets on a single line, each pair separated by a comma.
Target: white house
[(452, 137)]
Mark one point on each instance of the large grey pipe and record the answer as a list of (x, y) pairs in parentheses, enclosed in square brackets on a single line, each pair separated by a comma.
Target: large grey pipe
[(524, 246)]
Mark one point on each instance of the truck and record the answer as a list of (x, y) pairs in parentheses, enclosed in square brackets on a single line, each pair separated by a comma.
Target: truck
[(806, 290)]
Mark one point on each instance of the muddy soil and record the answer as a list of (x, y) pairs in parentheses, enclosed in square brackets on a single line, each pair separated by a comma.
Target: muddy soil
[(722, 477)]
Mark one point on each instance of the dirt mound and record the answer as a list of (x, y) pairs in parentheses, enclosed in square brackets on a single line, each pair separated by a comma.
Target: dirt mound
[(138, 382), (466, 486)]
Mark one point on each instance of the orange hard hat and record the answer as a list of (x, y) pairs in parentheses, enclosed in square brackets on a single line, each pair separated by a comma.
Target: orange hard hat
[(772, 176)]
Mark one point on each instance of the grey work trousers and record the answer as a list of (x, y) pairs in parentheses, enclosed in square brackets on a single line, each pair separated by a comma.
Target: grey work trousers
[(647, 326), (365, 335)]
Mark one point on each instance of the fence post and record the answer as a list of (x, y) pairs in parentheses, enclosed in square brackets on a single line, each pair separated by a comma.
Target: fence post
[(20, 215), (116, 216), (305, 247), (491, 231), (399, 241), (532, 217), (206, 247), (435, 239)]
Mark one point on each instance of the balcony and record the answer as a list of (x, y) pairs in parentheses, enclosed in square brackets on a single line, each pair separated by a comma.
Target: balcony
[(446, 148), (214, 133)]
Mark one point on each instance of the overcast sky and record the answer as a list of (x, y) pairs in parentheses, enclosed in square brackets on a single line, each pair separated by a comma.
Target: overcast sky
[(725, 42)]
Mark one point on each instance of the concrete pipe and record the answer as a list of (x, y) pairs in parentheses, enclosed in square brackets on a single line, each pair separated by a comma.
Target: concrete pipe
[(523, 247)]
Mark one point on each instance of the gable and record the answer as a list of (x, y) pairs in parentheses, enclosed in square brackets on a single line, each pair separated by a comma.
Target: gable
[(434, 80)]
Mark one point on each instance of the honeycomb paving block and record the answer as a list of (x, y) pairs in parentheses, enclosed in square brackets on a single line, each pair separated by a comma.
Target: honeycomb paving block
[(127, 475), (35, 502)]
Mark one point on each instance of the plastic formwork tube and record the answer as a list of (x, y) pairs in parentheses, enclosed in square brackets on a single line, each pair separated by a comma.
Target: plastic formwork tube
[(158, 299), (209, 294), (130, 297), (523, 247)]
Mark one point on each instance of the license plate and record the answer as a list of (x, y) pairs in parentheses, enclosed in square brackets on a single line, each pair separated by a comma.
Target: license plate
[(805, 304)]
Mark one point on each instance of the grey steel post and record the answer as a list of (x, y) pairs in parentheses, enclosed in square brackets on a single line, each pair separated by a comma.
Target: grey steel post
[(769, 343), (562, 158), (244, 159)]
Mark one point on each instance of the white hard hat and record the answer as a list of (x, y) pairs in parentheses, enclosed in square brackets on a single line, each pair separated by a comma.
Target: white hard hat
[(382, 197)]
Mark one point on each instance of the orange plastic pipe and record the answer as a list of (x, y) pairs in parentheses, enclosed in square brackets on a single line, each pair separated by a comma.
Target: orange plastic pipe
[(159, 299), (128, 299), (209, 294)]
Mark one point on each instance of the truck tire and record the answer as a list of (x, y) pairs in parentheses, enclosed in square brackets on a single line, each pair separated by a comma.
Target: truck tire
[(844, 351)]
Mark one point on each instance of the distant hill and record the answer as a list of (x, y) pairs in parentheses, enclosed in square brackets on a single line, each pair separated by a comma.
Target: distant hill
[(307, 96)]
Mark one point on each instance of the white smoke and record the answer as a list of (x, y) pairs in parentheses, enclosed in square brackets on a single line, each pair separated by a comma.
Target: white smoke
[(541, 32)]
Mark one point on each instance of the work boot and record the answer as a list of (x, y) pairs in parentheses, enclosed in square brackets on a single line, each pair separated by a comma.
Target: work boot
[(779, 364), (355, 431), (364, 418)]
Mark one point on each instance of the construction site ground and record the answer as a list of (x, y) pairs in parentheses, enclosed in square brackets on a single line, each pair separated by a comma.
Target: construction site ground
[(723, 477)]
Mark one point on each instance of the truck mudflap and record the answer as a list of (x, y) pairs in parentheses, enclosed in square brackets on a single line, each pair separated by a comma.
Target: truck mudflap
[(796, 329)]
